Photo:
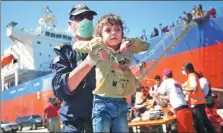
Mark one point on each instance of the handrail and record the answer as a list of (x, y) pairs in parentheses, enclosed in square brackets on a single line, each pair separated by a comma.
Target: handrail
[(188, 27), (152, 51), (157, 45)]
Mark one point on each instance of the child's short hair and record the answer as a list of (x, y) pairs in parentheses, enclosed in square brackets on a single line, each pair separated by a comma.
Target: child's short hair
[(109, 18)]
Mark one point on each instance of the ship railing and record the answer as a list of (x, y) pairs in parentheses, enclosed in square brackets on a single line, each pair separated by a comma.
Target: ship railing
[(182, 26), (168, 49), (148, 54), (9, 68)]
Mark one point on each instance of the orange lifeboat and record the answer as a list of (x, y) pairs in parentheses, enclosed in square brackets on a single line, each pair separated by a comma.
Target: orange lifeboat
[(5, 60)]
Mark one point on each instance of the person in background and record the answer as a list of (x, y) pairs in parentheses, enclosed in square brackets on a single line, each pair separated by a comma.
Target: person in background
[(51, 115), (74, 73), (193, 12), (141, 66), (188, 17), (175, 95), (140, 103), (172, 26), (211, 105), (165, 29), (205, 85), (154, 33), (141, 100), (158, 82), (212, 12), (199, 11), (196, 99)]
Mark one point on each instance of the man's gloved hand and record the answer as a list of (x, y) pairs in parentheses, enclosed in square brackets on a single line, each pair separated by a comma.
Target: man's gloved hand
[(92, 59)]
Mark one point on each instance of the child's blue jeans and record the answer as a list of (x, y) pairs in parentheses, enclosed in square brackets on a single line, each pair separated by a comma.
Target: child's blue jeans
[(110, 114)]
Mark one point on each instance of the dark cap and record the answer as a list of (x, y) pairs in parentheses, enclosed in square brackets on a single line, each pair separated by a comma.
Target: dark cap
[(80, 8), (166, 72)]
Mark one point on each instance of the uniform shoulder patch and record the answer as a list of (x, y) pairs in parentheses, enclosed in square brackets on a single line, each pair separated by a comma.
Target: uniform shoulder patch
[(60, 46)]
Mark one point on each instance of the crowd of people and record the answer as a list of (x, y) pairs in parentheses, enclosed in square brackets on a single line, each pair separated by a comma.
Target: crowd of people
[(195, 13), (92, 77), (193, 102)]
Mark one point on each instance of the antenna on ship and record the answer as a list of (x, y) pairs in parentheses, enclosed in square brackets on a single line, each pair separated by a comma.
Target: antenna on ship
[(48, 20)]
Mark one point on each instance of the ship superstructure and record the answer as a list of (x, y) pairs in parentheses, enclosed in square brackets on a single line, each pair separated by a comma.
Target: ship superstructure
[(31, 54)]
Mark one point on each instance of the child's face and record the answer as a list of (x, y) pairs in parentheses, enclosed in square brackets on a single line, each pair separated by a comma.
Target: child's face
[(111, 35)]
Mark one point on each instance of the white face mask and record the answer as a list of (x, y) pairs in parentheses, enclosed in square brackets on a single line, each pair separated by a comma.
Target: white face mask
[(183, 72)]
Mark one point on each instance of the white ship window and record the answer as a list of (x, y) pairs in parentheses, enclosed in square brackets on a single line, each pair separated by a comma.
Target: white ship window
[(58, 36), (49, 55), (40, 54), (50, 45), (69, 38), (38, 42), (53, 35), (47, 33), (64, 37)]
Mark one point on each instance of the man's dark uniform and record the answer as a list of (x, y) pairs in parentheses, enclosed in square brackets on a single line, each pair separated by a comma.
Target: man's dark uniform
[(76, 110)]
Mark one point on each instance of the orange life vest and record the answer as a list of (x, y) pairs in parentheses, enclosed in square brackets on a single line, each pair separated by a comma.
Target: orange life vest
[(197, 97)]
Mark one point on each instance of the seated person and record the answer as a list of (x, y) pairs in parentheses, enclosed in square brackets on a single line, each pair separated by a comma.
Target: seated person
[(154, 33), (199, 11), (158, 82), (188, 17), (193, 13), (139, 100), (212, 12)]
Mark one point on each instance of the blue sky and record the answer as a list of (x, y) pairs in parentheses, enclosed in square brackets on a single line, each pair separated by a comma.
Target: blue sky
[(137, 15)]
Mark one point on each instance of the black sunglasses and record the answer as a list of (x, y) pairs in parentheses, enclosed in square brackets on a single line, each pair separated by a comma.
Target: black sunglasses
[(81, 17)]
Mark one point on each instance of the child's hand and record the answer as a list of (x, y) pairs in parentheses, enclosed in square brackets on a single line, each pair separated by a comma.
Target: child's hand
[(103, 54), (124, 46)]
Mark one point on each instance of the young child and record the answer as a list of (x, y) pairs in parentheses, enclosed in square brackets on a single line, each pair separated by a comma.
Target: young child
[(114, 80)]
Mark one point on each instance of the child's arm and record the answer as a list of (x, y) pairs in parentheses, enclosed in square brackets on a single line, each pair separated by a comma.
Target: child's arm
[(136, 45), (92, 46)]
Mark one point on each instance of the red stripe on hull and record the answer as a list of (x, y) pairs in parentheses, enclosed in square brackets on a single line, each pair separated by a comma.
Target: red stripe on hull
[(27, 105), (207, 59)]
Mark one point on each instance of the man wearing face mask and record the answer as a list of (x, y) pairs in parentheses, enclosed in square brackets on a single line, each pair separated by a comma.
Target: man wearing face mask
[(74, 78), (196, 99)]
